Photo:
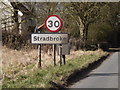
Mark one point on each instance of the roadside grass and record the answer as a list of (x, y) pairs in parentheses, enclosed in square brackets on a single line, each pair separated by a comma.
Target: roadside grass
[(40, 78)]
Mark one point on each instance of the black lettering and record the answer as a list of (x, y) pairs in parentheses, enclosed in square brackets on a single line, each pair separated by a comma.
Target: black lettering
[(50, 23), (54, 39), (61, 38), (64, 38), (56, 24), (51, 39), (40, 38), (35, 38), (47, 38), (57, 39), (44, 39)]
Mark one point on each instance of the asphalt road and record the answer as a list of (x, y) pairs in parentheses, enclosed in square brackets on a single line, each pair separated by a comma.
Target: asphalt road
[(105, 76)]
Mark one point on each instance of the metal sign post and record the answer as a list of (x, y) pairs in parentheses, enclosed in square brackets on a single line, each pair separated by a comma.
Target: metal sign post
[(53, 24), (39, 51), (65, 50), (39, 56), (54, 54), (64, 61), (60, 54)]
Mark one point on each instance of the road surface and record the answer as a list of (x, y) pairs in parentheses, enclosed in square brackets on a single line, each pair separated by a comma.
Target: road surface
[(105, 76)]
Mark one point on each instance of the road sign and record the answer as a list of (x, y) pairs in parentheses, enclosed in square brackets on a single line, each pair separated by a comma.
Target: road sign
[(53, 23), (59, 38), (65, 49)]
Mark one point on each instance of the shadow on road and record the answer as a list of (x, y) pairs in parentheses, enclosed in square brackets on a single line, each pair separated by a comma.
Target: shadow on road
[(81, 74), (114, 50), (84, 73), (102, 74)]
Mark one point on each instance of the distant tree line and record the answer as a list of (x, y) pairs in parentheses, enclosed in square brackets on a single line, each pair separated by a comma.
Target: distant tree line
[(88, 23)]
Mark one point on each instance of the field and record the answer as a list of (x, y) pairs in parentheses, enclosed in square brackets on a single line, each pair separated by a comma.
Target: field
[(20, 71)]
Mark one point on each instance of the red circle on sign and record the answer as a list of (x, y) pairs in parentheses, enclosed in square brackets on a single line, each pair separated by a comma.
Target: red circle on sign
[(59, 26)]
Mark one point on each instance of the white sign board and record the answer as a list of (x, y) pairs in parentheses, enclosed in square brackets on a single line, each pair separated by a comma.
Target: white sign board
[(53, 23), (49, 38)]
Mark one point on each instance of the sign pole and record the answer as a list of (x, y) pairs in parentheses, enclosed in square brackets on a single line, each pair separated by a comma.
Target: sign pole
[(39, 50), (39, 56), (54, 53), (64, 61), (60, 55), (53, 23)]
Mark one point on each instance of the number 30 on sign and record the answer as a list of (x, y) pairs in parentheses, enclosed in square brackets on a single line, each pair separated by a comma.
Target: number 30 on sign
[(53, 23)]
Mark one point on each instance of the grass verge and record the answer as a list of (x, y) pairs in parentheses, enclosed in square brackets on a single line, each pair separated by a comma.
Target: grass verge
[(41, 78)]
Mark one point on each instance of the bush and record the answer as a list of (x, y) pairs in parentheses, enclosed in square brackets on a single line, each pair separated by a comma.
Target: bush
[(104, 46), (11, 40)]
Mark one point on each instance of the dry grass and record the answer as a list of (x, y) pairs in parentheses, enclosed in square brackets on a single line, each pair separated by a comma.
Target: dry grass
[(16, 63), (19, 66), (13, 58)]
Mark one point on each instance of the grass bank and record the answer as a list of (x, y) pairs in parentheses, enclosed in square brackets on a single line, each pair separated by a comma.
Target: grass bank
[(41, 78)]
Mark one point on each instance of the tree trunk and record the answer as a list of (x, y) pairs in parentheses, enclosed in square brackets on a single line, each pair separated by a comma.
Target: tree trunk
[(81, 28), (16, 22), (27, 26), (85, 35), (15, 18), (86, 32)]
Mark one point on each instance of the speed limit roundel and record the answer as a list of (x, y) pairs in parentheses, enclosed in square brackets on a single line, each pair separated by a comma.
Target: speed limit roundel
[(53, 23)]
